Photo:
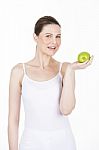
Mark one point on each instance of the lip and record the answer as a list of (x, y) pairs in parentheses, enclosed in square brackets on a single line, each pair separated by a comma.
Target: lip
[(52, 46), (51, 49)]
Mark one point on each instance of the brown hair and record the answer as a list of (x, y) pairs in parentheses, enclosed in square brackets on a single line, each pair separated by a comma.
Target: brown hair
[(44, 21)]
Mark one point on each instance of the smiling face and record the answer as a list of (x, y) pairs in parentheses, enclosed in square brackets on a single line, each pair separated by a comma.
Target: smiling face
[(49, 39)]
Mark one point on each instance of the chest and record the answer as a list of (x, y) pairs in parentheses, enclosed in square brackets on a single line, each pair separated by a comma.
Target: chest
[(35, 73), (41, 93)]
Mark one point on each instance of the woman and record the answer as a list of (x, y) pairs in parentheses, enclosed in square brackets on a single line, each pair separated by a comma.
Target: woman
[(47, 88)]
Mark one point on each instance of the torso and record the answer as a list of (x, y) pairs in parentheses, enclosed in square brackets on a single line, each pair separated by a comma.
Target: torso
[(41, 98), (43, 119)]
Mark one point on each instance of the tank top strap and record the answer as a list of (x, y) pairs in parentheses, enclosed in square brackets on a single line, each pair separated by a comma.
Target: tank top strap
[(24, 68), (60, 67)]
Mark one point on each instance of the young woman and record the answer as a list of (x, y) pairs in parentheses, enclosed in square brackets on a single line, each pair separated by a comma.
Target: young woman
[(47, 87)]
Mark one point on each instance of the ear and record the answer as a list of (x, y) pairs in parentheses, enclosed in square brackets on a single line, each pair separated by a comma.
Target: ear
[(35, 37)]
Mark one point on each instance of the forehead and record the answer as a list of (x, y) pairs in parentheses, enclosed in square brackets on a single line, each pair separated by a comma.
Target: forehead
[(51, 28)]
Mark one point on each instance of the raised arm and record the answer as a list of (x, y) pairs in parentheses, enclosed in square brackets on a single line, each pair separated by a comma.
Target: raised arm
[(67, 100), (14, 106)]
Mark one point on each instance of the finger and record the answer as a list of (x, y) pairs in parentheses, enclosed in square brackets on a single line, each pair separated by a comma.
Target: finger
[(89, 61), (91, 58), (84, 63)]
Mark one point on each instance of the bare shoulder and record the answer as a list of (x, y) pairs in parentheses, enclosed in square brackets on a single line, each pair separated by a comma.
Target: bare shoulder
[(17, 68), (17, 72), (64, 67)]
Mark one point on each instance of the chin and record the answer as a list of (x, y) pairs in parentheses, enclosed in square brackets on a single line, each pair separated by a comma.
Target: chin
[(52, 53)]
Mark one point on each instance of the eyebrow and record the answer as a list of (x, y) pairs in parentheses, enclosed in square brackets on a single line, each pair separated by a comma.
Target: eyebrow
[(51, 33)]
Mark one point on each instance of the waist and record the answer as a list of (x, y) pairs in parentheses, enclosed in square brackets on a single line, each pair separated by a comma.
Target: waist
[(46, 123), (30, 131)]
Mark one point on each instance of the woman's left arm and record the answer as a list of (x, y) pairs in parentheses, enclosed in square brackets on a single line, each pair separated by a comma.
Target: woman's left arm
[(67, 99)]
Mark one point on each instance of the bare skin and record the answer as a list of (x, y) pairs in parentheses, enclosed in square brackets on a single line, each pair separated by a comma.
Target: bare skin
[(42, 67)]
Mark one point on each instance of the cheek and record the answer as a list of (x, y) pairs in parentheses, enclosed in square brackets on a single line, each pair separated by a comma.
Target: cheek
[(41, 42), (59, 42)]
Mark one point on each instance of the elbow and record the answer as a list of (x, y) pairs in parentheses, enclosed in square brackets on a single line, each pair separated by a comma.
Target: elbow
[(67, 111)]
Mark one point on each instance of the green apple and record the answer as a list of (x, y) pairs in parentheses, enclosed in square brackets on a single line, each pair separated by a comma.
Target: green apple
[(83, 56)]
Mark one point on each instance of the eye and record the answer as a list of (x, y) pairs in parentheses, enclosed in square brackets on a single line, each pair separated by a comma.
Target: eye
[(48, 36), (58, 36)]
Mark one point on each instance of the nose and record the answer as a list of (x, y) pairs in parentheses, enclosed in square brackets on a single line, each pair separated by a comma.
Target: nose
[(54, 40)]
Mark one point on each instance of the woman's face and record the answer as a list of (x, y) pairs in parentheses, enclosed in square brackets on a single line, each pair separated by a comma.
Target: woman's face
[(49, 39)]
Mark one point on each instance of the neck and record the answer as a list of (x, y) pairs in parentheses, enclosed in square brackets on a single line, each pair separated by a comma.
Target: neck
[(42, 59)]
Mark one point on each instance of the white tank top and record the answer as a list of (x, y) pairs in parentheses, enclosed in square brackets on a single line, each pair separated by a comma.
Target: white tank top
[(41, 101)]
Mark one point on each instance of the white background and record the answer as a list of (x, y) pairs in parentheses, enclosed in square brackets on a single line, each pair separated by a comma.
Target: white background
[(80, 32)]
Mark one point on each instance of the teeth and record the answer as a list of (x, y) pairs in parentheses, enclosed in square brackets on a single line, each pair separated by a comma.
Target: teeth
[(52, 47)]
